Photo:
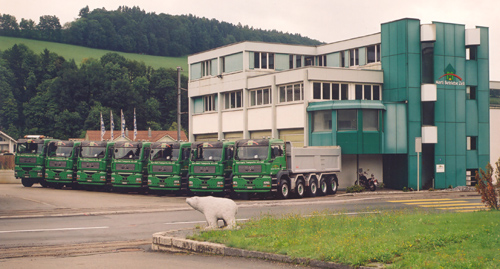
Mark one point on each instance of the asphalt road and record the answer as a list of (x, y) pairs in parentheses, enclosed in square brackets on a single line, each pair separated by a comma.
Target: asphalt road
[(52, 227)]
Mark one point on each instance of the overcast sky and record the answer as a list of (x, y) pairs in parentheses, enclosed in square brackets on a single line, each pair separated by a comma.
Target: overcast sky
[(324, 20)]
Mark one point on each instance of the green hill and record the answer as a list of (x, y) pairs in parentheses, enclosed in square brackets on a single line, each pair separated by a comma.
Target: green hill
[(79, 53)]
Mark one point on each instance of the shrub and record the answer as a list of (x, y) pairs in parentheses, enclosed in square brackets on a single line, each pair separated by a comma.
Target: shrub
[(355, 188), (485, 187), (405, 189)]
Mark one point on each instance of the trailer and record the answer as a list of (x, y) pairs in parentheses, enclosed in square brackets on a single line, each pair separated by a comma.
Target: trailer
[(273, 165)]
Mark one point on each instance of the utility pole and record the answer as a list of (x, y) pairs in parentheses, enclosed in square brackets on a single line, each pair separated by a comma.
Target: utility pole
[(179, 103)]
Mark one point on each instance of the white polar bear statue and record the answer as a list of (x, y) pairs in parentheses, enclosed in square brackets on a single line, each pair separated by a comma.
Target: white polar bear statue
[(215, 209)]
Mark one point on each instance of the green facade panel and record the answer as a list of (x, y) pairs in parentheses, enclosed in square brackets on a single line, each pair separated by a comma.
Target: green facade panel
[(440, 178), (471, 72), (471, 118), (483, 49), (450, 105), (472, 159), (461, 171), (414, 71), (460, 105), (483, 145), (450, 138), (451, 171), (461, 139)]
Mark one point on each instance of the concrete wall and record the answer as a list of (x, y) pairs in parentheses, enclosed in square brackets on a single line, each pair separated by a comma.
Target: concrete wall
[(494, 137), (7, 177)]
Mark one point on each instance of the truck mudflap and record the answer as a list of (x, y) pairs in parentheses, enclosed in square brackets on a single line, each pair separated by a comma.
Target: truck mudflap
[(206, 184), (253, 184)]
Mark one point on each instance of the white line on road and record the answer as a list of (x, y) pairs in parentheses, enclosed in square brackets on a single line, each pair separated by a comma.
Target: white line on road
[(56, 229), (194, 222)]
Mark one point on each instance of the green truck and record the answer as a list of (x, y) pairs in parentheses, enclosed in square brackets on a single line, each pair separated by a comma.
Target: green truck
[(30, 160), (169, 166), (60, 163), (211, 167), (129, 166), (274, 166), (94, 165)]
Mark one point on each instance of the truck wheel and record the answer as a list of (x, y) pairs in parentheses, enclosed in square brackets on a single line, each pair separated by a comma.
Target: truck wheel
[(313, 188), (323, 187), (284, 189), (27, 182), (300, 189), (44, 183), (333, 186)]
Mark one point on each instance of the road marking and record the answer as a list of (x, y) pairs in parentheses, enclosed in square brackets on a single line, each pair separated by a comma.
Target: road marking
[(463, 207), (451, 205), (421, 200), (428, 203), (56, 229), (194, 222)]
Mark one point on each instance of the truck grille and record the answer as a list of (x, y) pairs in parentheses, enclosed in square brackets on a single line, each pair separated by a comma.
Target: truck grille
[(249, 168), (57, 164), (27, 160), (204, 169), (92, 165), (160, 168), (125, 166)]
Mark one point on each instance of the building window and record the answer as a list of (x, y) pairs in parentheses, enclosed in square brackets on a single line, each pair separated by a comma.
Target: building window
[(471, 53), (209, 103), (370, 120), (321, 60), (342, 59), (298, 61), (290, 61), (347, 120), (206, 68), (330, 91), (260, 97), (471, 92), (263, 60), (308, 60), (373, 53), (367, 92), (471, 142), (353, 57), (232, 99), (322, 121), (428, 63), (291, 92)]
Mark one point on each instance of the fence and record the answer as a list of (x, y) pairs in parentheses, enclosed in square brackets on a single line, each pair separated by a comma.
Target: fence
[(7, 162)]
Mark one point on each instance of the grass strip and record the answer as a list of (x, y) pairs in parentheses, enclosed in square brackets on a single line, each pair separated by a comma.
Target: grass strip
[(399, 239)]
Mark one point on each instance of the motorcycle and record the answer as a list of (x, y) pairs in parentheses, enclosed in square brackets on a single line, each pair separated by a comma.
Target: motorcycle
[(370, 183)]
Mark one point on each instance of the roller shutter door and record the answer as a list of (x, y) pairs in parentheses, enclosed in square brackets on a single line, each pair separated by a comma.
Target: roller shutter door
[(205, 137), (260, 134), (233, 136), (296, 136)]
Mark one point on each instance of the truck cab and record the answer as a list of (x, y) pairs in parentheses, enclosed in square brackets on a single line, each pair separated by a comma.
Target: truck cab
[(30, 160), (60, 163), (129, 167), (211, 167), (168, 166), (94, 164), (257, 163)]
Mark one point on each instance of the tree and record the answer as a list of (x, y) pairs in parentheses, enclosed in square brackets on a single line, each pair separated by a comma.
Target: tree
[(8, 25), (50, 28), (8, 104), (28, 29)]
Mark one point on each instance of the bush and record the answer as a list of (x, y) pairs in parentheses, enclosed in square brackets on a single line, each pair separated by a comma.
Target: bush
[(485, 187), (355, 188), (7, 162)]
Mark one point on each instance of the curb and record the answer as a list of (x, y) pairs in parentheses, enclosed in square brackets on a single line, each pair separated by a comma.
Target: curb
[(175, 240)]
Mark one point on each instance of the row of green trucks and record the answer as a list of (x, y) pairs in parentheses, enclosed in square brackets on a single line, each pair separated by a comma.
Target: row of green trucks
[(249, 166)]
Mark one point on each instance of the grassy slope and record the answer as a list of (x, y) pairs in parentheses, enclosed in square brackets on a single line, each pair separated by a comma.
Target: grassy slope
[(79, 53)]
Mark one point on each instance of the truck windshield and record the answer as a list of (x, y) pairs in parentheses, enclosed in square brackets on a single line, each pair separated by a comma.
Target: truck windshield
[(127, 153), (93, 152), (58, 151), (208, 154), (253, 153), (165, 154), (29, 148)]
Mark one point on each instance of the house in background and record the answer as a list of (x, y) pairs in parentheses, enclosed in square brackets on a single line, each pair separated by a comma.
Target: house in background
[(7, 143), (376, 96)]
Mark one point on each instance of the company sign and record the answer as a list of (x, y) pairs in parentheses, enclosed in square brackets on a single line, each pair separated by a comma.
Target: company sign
[(450, 78)]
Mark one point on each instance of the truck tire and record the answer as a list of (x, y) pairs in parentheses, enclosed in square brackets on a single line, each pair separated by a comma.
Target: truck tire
[(323, 187), (312, 191), (284, 189), (44, 183), (300, 189), (27, 182), (333, 186)]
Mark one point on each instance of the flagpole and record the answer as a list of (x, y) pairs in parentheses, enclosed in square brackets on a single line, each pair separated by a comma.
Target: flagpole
[(112, 125), (123, 124), (103, 128), (135, 126)]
